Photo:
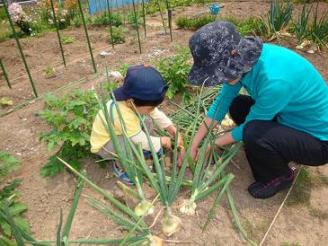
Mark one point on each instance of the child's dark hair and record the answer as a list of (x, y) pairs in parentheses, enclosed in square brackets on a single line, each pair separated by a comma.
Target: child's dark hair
[(141, 103)]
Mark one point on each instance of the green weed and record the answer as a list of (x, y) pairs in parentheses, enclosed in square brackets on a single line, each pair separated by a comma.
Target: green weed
[(301, 192), (8, 163), (195, 22), (67, 39), (318, 213)]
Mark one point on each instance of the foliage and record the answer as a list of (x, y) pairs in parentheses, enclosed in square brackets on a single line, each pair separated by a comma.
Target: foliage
[(9, 203), (195, 22), (67, 39), (49, 72), (279, 16), (135, 21), (114, 19), (318, 31), (301, 26), (71, 118), (117, 35), (3, 15), (8, 163), (175, 70), (250, 26)]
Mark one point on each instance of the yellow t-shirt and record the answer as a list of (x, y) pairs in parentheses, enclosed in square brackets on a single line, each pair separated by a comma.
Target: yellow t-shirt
[(99, 135)]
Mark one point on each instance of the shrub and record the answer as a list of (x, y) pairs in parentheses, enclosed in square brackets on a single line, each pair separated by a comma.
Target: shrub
[(195, 22), (117, 35), (104, 19)]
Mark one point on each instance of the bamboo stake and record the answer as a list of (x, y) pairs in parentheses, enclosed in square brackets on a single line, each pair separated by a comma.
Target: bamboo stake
[(110, 24), (144, 16), (5, 73), (137, 24), (5, 3), (161, 13), (57, 31), (169, 17), (87, 36)]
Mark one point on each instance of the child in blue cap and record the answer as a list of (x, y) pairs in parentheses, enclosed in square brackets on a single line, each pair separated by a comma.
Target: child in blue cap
[(143, 90)]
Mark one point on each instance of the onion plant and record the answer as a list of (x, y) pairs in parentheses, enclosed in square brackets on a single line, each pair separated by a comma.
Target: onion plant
[(318, 31), (279, 16), (301, 26), (208, 175)]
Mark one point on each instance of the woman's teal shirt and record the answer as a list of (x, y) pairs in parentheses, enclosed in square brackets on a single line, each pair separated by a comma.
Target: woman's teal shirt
[(284, 85)]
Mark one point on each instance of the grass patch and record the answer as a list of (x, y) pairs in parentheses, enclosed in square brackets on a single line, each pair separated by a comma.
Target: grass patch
[(8, 163), (255, 229), (318, 213), (193, 23), (250, 26), (290, 244), (301, 192)]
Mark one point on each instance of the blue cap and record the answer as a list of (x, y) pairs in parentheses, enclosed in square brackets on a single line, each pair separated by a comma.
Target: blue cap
[(143, 83)]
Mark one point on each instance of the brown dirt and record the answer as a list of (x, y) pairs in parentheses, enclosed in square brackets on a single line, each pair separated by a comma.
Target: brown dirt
[(303, 223)]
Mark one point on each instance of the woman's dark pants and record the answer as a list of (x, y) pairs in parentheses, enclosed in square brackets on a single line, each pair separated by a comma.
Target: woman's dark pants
[(270, 146)]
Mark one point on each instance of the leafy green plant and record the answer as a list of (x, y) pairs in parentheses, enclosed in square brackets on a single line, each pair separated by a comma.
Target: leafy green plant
[(67, 39), (133, 21), (71, 118), (175, 70), (117, 35), (195, 22), (9, 206), (114, 19), (8, 163), (49, 72), (279, 16)]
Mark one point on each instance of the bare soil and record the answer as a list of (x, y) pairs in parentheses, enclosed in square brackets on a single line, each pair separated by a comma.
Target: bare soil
[(305, 223)]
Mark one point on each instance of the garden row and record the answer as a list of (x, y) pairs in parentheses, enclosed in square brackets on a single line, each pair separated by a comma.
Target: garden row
[(308, 26)]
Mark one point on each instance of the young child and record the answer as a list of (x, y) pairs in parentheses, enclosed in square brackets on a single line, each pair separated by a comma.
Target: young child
[(143, 90)]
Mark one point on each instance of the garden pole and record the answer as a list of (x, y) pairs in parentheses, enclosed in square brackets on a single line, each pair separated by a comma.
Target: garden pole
[(86, 34), (144, 16), (137, 24), (20, 48), (162, 17), (169, 17), (123, 11), (110, 24), (5, 73), (57, 30)]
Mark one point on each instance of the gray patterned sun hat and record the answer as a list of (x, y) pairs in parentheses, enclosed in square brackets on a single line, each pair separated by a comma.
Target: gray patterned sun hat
[(214, 62)]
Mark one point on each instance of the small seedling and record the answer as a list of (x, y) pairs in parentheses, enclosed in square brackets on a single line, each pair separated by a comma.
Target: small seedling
[(49, 72), (67, 39), (6, 101)]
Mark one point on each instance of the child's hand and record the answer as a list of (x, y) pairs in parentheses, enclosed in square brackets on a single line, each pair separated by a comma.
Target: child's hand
[(180, 141), (166, 142)]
